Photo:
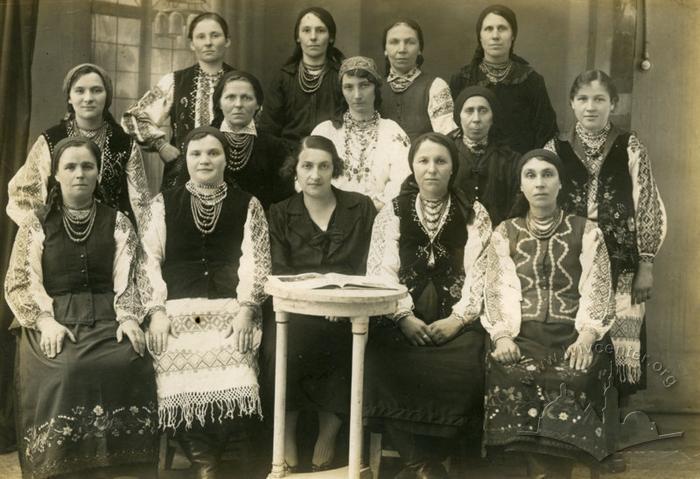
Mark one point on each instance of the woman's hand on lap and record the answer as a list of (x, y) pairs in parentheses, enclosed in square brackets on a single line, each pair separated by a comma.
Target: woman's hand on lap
[(506, 351), (416, 331), (53, 334), (580, 353), (133, 331), (445, 330), (243, 328), (157, 333)]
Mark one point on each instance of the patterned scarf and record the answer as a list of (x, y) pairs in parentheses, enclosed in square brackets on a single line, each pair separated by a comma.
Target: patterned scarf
[(400, 83)]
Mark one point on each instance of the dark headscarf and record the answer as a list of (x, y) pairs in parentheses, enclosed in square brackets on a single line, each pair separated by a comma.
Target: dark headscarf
[(219, 91), (84, 69), (410, 186), (324, 15), (521, 206), (490, 96)]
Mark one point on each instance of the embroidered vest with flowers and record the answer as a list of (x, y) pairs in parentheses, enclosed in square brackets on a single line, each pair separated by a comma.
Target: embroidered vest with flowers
[(616, 214)]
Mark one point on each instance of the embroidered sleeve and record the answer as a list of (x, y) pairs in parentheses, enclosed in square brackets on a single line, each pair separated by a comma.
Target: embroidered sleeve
[(254, 267), (398, 164), (383, 259), (502, 292), (28, 188), (595, 286), (143, 119), (24, 288), (148, 275), (650, 213), (441, 107), (470, 304), (127, 303), (139, 193)]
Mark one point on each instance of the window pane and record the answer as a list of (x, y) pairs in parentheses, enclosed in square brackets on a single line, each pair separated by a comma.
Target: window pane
[(128, 59), (105, 27), (127, 85), (129, 31), (106, 55)]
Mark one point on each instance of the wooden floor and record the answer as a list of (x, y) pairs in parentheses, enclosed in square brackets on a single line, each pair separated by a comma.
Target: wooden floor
[(668, 459)]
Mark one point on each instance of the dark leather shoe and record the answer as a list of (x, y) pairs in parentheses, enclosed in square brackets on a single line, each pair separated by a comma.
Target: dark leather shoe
[(201, 454)]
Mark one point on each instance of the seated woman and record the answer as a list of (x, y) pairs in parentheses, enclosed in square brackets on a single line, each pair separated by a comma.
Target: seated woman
[(182, 99), (610, 182), (323, 230), (208, 256), (88, 91), (487, 165), (529, 120), (253, 158), (373, 149), (548, 306), (70, 284), (303, 93), (424, 369), (417, 101)]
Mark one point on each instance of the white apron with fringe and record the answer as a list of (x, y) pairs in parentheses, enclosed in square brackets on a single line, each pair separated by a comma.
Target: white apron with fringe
[(202, 375)]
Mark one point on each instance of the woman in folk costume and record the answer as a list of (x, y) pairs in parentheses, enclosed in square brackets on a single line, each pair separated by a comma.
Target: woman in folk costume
[(86, 403), (122, 179), (182, 99), (208, 257), (608, 179)]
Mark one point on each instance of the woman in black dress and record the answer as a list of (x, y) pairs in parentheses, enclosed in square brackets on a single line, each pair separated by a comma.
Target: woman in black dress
[(322, 229), (71, 284)]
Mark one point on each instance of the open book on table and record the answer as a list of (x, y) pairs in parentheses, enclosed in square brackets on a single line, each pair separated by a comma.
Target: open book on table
[(333, 281)]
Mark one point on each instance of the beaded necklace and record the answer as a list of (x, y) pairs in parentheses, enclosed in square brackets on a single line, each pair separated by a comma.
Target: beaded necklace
[(433, 214), (593, 143), (78, 223), (360, 138), (543, 228), (310, 77), (241, 147), (496, 72), (97, 135), (205, 204)]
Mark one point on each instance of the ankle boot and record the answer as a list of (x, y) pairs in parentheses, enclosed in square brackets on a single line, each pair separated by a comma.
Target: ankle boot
[(201, 453)]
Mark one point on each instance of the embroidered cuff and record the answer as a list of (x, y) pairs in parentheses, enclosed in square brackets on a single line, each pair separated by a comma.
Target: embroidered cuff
[(500, 334), (399, 316), (646, 258)]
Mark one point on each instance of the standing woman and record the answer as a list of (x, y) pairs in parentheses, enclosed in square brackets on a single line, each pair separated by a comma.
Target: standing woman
[(548, 306), (122, 179), (373, 149), (609, 180), (417, 101), (424, 370), (323, 230), (208, 256), (529, 120), (182, 99), (86, 398), (254, 158), (487, 164), (304, 92)]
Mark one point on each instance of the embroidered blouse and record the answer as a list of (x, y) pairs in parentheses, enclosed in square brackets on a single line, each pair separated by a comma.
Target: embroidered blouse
[(253, 266), (375, 169), (649, 211), (384, 259), (28, 189), (565, 278), (24, 284)]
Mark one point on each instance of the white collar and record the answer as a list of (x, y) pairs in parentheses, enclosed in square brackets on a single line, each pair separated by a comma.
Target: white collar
[(249, 129)]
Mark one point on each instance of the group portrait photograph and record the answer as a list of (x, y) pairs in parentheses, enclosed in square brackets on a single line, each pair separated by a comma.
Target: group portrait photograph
[(364, 239)]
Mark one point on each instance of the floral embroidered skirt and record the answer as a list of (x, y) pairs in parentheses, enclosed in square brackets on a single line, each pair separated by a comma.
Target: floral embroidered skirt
[(426, 390), (541, 405), (93, 405), (202, 376)]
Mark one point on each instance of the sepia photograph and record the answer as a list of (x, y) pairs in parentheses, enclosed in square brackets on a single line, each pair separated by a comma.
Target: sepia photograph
[(364, 239)]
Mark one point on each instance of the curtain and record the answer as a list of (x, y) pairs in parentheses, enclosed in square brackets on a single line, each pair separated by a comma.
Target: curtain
[(18, 20)]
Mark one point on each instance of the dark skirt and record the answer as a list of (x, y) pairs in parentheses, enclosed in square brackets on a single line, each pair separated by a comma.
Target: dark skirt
[(542, 405), (319, 356), (93, 405), (432, 391)]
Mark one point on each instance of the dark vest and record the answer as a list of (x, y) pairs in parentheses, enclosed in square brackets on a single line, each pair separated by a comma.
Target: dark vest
[(616, 217), (410, 107), (199, 265), (115, 156), (447, 274), (79, 276)]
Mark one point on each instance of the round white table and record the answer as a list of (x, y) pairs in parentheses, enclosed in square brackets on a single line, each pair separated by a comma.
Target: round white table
[(356, 304)]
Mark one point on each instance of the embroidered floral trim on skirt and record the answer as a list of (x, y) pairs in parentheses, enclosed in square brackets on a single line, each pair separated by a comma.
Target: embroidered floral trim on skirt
[(93, 405)]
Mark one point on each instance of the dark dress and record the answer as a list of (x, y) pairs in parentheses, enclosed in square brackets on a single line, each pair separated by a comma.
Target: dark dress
[(528, 120), (290, 113), (318, 371), (73, 412), (489, 178), (427, 391)]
